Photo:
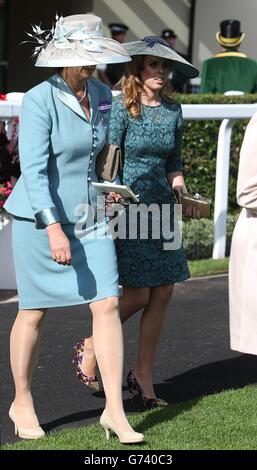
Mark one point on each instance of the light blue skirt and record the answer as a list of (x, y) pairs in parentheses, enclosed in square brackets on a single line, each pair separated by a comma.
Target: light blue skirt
[(43, 283)]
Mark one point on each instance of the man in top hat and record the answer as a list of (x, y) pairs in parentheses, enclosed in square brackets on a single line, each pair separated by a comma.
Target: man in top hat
[(178, 81), (112, 73), (229, 70)]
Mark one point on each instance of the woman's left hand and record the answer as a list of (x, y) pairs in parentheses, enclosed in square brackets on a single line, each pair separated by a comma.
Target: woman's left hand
[(114, 202), (191, 211), (115, 196), (111, 198)]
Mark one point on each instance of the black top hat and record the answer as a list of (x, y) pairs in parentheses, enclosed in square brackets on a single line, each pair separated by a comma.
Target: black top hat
[(168, 33), (118, 28), (230, 34)]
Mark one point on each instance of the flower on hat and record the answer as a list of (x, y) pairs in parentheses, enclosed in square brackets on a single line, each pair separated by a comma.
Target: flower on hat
[(41, 37), (152, 40)]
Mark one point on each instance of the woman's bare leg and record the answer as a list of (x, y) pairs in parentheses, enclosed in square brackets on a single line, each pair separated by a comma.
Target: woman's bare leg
[(108, 346), (133, 300), (24, 343), (151, 325)]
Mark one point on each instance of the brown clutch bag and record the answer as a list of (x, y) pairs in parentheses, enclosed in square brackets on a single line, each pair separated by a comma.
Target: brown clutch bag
[(109, 162), (203, 204)]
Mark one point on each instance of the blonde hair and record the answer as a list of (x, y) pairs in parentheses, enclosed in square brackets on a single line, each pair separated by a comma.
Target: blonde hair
[(132, 86)]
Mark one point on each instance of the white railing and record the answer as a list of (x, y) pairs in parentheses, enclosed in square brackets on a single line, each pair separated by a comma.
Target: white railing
[(227, 113), (9, 109)]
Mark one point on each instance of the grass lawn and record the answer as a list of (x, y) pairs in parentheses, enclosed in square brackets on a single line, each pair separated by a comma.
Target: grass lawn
[(208, 267), (226, 420)]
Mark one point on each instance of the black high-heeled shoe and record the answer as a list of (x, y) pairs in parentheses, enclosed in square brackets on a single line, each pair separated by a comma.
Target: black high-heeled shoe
[(135, 389)]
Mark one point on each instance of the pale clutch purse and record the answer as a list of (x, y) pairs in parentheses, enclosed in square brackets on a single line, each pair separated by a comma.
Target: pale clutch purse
[(203, 204)]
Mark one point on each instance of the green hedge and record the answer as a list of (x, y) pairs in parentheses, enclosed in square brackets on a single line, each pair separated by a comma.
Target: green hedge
[(200, 146), (198, 236)]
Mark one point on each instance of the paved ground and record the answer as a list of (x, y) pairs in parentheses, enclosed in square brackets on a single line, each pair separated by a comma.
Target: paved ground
[(194, 358)]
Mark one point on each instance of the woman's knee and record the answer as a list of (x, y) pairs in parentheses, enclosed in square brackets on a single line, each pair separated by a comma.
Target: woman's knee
[(108, 306), (164, 293), (140, 297), (32, 318), (143, 298)]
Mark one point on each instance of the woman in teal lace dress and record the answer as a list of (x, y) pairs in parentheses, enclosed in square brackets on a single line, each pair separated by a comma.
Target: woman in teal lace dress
[(152, 161), (147, 125)]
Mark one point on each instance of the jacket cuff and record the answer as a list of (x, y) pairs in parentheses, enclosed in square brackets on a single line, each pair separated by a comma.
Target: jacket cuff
[(46, 217)]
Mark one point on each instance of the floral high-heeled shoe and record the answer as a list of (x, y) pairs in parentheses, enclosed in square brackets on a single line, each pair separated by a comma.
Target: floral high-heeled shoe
[(91, 381), (135, 389)]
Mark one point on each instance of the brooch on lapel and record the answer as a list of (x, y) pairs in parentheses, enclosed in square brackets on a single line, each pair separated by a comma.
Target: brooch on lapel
[(105, 106)]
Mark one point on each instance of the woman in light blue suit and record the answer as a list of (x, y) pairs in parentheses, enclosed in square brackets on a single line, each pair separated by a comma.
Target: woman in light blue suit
[(64, 125)]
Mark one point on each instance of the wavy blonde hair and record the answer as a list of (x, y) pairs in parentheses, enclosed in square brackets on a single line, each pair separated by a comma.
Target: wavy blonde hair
[(132, 86)]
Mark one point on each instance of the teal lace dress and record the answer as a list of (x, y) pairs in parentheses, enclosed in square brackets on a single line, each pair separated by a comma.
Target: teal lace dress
[(151, 146)]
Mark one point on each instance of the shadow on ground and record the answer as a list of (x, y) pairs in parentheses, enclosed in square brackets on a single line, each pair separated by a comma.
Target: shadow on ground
[(201, 381)]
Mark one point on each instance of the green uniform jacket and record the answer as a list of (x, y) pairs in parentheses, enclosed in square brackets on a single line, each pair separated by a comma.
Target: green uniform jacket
[(229, 71)]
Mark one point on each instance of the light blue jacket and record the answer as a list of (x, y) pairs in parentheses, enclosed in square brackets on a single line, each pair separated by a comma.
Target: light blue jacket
[(58, 147)]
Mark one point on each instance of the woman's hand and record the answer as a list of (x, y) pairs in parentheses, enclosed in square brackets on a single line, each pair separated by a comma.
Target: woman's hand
[(114, 202), (191, 211), (115, 196), (179, 190), (59, 244)]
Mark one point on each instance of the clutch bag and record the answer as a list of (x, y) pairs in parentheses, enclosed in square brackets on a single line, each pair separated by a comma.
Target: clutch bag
[(109, 162), (203, 204)]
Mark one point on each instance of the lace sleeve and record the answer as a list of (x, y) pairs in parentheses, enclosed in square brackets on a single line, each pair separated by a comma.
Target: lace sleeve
[(174, 162), (118, 123)]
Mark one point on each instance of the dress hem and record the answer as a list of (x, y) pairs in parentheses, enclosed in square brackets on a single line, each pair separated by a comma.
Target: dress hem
[(25, 306), (159, 284)]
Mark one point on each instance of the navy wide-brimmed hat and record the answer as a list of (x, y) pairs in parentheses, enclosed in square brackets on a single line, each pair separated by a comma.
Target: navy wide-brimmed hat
[(156, 46), (230, 34)]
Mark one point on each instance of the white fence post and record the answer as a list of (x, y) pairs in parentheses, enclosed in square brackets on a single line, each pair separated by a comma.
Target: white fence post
[(221, 188), (228, 113)]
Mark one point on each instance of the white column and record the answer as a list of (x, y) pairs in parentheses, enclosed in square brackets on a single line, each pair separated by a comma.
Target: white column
[(221, 188)]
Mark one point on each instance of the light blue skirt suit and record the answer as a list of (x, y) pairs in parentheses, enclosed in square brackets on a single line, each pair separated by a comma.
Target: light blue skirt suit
[(58, 149)]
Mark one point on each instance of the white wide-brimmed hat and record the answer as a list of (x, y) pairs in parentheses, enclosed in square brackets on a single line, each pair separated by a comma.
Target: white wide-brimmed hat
[(157, 46), (76, 40)]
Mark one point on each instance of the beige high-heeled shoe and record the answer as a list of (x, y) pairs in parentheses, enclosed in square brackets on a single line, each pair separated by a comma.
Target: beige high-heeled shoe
[(128, 437), (25, 433)]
